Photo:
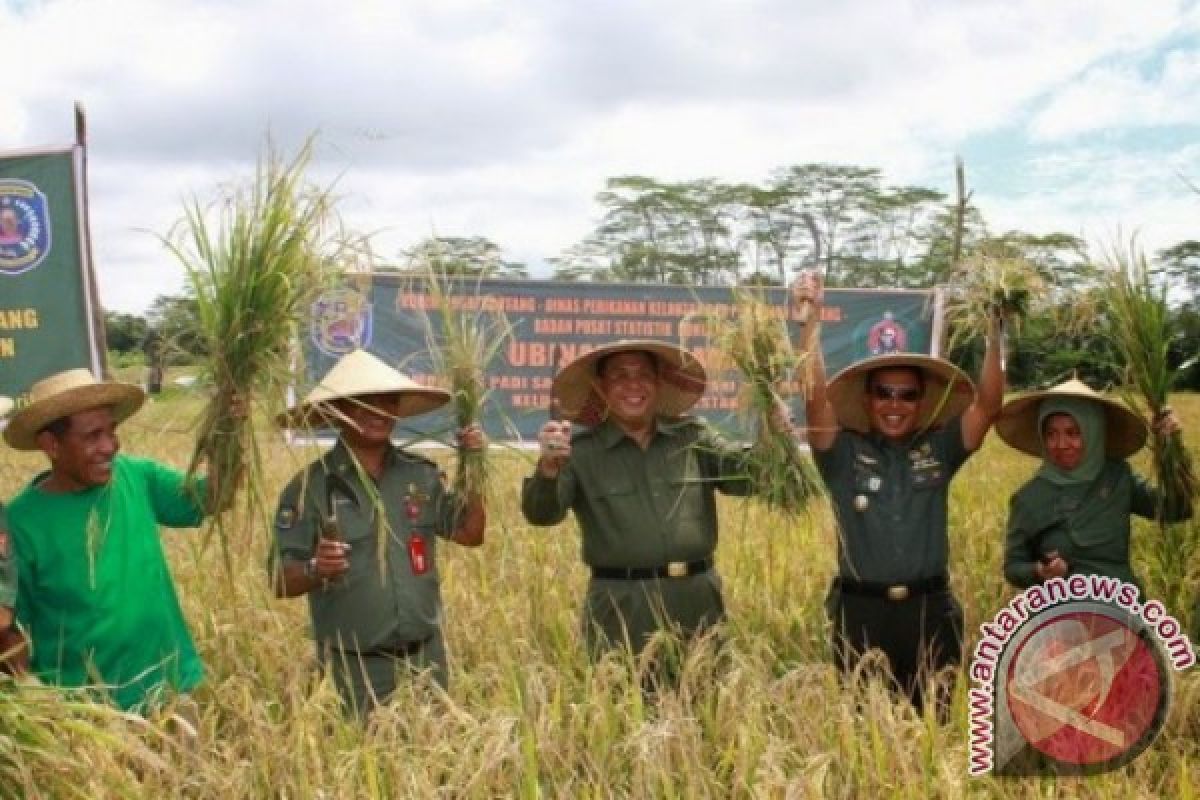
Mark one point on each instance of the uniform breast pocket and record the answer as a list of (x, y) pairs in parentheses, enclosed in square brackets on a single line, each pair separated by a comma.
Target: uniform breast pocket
[(615, 490), (353, 524), (929, 477)]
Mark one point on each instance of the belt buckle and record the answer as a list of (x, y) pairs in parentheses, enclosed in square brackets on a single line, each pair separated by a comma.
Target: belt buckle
[(677, 569), (897, 592)]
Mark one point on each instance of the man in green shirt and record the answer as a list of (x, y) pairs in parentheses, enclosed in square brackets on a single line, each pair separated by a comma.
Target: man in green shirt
[(374, 615), (641, 480), (95, 593), (888, 434)]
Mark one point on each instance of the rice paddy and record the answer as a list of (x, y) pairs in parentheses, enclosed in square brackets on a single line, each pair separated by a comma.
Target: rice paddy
[(526, 715)]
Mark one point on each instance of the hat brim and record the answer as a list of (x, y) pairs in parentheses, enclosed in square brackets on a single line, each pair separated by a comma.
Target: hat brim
[(1124, 431), (682, 381), (6, 405), (125, 399), (948, 391), (322, 413)]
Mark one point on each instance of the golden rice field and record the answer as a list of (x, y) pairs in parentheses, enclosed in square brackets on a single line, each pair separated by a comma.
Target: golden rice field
[(526, 715)]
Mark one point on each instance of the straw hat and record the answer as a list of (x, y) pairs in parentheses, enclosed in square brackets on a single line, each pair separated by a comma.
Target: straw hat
[(356, 374), (948, 390), (1124, 431), (67, 393), (681, 379), (6, 405)]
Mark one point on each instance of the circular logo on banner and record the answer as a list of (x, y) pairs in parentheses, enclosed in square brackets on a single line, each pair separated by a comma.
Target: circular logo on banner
[(1088, 688), (341, 322), (24, 227)]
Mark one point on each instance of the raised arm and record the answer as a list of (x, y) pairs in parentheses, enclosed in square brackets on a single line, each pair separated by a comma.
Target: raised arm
[(821, 420), (989, 398), (546, 494), (473, 522)]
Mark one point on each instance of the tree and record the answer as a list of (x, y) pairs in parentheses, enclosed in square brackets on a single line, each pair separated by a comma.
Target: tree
[(174, 322), (1180, 264), (837, 196), (465, 256), (124, 332)]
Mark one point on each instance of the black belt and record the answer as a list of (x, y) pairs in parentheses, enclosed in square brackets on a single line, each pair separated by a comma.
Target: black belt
[(892, 591), (399, 649), (675, 569)]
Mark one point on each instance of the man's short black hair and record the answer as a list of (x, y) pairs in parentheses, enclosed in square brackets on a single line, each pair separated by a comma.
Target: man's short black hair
[(602, 361)]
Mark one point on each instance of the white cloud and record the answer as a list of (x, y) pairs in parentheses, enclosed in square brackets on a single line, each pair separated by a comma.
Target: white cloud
[(1124, 97), (504, 118)]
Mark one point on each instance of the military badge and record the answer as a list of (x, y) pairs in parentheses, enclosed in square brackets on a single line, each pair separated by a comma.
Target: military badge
[(3, 545), (341, 322), (24, 227)]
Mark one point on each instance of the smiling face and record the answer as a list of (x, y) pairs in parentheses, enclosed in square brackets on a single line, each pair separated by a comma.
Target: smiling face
[(1063, 441), (893, 402), (628, 382), (81, 451), (371, 418)]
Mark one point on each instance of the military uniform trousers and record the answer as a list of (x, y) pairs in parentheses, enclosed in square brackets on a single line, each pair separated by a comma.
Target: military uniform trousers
[(620, 611), (367, 680), (919, 634)]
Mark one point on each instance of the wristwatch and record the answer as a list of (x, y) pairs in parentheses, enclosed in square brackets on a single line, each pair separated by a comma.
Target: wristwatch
[(310, 568)]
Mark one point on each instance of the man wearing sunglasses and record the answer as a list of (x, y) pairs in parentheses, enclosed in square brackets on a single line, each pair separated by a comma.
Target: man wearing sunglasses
[(887, 435)]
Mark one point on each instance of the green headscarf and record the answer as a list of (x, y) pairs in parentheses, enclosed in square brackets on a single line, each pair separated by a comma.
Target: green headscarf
[(1089, 416)]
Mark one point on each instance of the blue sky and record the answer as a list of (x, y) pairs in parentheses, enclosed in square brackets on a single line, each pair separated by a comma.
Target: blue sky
[(503, 118)]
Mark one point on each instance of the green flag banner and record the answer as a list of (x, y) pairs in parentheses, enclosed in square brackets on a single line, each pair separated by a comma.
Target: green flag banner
[(45, 312), (553, 322)]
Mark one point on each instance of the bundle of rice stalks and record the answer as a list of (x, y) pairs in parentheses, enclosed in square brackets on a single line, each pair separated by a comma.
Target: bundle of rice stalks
[(986, 284), (463, 341), (42, 734), (754, 338), (256, 259), (1140, 325)]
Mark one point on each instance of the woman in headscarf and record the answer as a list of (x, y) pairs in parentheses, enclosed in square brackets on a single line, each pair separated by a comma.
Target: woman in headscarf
[(1073, 516)]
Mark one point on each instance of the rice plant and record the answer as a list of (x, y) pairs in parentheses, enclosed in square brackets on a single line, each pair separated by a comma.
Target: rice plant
[(754, 338), (1138, 322), (987, 284), (463, 341), (527, 714), (255, 258)]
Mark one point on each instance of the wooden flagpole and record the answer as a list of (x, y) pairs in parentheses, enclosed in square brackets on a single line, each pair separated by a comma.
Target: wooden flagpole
[(93, 292)]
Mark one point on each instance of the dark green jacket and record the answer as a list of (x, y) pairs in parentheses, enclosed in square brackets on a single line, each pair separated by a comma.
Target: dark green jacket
[(381, 601), (1088, 525)]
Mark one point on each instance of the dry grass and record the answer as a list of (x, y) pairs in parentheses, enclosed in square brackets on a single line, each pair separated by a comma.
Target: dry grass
[(526, 716)]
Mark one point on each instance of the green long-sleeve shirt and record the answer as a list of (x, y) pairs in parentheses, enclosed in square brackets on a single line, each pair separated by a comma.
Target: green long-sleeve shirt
[(641, 508), (1088, 525)]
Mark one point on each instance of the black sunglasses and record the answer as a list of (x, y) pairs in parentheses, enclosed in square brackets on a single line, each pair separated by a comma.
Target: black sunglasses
[(905, 394)]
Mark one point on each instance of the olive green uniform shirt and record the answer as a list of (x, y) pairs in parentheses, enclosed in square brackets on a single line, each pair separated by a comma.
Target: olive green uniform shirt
[(890, 500), (373, 606), (1087, 524), (643, 508)]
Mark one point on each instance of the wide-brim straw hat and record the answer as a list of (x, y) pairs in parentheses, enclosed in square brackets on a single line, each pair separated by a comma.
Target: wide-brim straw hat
[(948, 391), (1124, 431), (356, 374), (681, 380), (67, 393)]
